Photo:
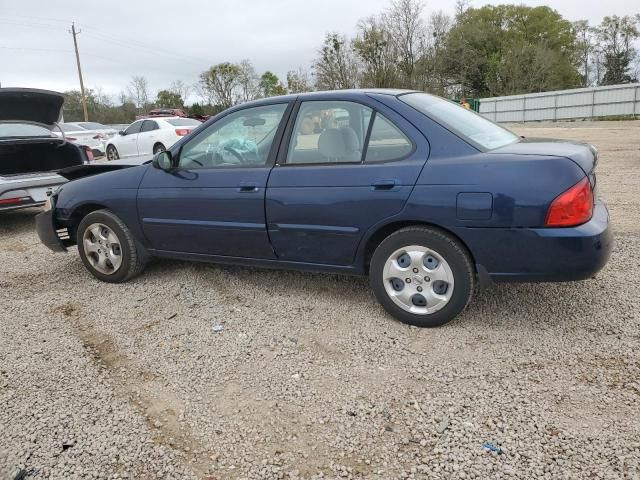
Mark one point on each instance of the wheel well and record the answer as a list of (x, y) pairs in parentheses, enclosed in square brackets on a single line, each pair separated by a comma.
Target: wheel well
[(158, 143), (387, 230), (78, 214)]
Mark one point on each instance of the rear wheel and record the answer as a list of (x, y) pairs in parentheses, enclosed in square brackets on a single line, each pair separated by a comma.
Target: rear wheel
[(108, 249), (157, 148), (112, 153), (421, 276)]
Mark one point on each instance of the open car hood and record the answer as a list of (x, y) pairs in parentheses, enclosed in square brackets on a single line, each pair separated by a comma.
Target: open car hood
[(28, 105)]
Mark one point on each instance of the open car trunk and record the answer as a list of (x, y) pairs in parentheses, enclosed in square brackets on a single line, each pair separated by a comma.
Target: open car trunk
[(36, 156)]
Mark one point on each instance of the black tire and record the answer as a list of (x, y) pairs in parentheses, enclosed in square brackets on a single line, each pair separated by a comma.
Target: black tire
[(158, 147), (134, 257), (454, 254), (112, 153)]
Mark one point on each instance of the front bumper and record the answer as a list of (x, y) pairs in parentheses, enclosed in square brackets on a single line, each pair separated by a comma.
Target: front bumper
[(543, 254), (49, 235)]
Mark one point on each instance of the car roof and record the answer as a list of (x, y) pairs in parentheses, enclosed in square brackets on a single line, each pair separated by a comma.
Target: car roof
[(345, 94)]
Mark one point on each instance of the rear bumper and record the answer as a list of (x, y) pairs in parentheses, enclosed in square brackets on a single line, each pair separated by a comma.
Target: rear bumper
[(47, 232), (543, 254)]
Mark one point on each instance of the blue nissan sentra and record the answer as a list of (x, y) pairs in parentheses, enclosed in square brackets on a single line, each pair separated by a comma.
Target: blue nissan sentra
[(427, 198)]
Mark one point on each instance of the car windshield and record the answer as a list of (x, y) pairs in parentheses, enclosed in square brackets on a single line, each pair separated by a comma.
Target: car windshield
[(70, 127), (17, 130), (183, 122), (469, 125)]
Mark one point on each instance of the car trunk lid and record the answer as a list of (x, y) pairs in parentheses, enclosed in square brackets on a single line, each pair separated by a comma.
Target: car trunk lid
[(28, 105), (583, 154)]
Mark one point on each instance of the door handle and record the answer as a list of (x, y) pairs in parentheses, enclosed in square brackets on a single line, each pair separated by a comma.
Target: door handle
[(382, 185), (248, 187)]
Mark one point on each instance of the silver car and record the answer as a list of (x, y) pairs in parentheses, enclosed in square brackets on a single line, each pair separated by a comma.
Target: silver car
[(30, 154)]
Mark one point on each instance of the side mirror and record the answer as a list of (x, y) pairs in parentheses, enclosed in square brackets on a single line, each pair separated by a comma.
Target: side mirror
[(163, 161), (121, 132)]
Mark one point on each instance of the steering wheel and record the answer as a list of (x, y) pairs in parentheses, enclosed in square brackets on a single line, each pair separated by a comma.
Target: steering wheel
[(236, 154)]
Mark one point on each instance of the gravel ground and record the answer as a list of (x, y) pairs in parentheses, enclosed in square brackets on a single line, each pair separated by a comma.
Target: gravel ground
[(309, 378)]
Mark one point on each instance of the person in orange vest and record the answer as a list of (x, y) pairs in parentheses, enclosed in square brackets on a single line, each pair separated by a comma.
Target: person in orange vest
[(464, 103)]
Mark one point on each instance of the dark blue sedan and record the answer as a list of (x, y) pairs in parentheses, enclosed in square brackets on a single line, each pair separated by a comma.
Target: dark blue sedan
[(427, 198)]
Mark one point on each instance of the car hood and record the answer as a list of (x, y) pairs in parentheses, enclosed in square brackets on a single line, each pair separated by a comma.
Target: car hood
[(28, 105), (583, 154)]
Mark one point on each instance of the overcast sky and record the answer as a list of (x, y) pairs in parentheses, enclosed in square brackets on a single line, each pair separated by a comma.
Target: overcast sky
[(166, 40)]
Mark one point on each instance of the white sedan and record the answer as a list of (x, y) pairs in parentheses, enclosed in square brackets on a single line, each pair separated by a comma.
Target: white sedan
[(149, 136)]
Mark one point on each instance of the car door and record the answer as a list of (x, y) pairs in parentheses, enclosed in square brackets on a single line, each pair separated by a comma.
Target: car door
[(147, 137), (344, 167), (212, 202), (127, 144)]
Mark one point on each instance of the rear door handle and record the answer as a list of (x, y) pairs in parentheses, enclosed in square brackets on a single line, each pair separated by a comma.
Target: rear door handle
[(384, 184), (248, 187)]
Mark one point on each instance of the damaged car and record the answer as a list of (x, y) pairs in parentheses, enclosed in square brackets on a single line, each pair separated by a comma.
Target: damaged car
[(31, 155)]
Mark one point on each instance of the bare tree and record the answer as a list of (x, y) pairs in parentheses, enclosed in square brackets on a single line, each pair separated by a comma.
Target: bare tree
[(180, 88), (336, 66), (407, 31), (461, 7), (298, 81), (139, 91), (249, 81), (221, 84), (375, 50)]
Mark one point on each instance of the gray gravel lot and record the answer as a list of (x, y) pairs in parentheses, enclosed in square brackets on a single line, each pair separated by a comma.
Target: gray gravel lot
[(309, 378)]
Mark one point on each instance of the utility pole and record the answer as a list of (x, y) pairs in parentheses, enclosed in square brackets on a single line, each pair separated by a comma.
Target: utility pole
[(84, 98)]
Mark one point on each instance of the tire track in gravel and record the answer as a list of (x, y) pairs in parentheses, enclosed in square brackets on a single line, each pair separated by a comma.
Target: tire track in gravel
[(143, 389)]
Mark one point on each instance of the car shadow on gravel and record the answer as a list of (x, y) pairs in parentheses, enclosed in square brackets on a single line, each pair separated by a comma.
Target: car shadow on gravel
[(18, 221)]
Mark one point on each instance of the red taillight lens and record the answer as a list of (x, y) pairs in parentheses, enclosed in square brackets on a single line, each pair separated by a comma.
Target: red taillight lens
[(182, 131), (99, 136), (89, 153), (71, 139), (573, 207), (11, 201)]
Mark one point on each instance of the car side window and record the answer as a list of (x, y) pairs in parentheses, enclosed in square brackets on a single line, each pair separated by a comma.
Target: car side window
[(386, 141), (133, 128), (240, 139), (328, 132), (148, 126)]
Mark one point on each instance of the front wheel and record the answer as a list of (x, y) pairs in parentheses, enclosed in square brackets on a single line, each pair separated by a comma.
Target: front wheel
[(422, 276), (108, 249), (157, 148), (112, 153)]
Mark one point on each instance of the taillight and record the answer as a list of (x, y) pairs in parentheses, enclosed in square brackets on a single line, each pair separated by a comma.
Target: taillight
[(572, 207), (89, 153), (99, 136), (11, 201), (71, 139), (182, 131)]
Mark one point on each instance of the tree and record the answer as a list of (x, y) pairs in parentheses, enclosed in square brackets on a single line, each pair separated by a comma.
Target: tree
[(407, 32), (336, 66), (270, 85), (181, 89), (508, 49), (374, 47), (169, 99), (139, 91), (221, 84), (249, 87), (616, 35), (586, 48), (298, 82)]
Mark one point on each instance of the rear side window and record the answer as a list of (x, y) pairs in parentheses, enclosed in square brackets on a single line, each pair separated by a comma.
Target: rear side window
[(386, 142), (148, 126), (328, 132)]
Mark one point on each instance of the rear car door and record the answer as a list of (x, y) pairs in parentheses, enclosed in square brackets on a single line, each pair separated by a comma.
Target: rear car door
[(344, 167), (147, 137), (213, 202), (127, 144)]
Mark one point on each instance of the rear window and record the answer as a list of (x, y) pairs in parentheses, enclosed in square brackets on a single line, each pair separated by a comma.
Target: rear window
[(16, 130), (92, 125), (467, 124), (70, 127), (183, 122)]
